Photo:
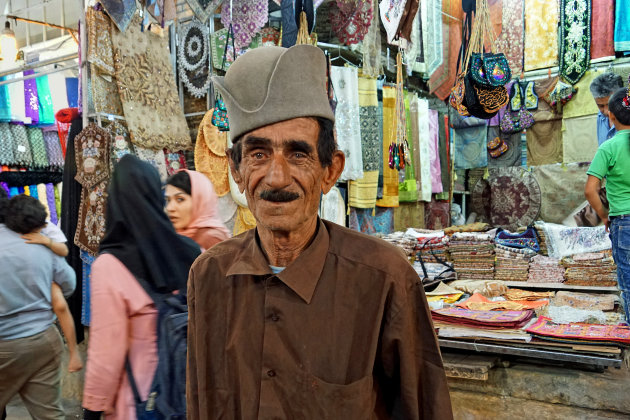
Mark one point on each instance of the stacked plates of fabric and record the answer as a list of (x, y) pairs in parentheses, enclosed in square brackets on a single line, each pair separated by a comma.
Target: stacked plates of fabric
[(472, 255), (544, 269), (512, 264), (590, 269)]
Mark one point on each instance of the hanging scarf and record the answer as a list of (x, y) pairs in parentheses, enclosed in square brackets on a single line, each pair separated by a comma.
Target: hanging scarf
[(541, 36), (139, 233), (16, 98), (46, 114), (575, 33), (203, 9), (63, 118), (30, 99), (204, 214), (372, 46), (390, 176), (602, 29)]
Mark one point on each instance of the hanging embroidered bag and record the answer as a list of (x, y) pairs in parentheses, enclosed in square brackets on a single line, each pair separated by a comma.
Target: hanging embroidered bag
[(219, 115), (515, 122), (526, 239), (490, 69)]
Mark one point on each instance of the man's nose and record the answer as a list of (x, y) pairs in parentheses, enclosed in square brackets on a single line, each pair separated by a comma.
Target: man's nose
[(278, 176)]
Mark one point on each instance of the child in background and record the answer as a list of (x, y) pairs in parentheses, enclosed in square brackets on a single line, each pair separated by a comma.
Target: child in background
[(53, 238)]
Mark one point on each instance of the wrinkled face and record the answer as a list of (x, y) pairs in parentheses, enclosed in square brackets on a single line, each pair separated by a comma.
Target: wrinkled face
[(178, 207), (602, 105), (281, 175)]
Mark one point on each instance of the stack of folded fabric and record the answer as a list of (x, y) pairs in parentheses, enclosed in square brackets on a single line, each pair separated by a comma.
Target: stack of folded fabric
[(580, 332), (512, 264), (591, 269), (427, 249), (542, 239), (591, 301), (472, 255), (401, 240), (545, 270), (482, 319)]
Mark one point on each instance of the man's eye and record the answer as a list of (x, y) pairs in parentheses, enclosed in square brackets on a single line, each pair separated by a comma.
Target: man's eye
[(258, 155), (299, 155)]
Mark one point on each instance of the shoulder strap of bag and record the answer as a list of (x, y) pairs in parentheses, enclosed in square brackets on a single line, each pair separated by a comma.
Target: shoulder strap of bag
[(227, 42), (132, 381)]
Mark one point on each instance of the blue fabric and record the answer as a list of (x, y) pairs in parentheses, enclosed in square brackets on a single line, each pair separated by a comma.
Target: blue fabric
[(86, 263), (33, 190), (46, 112), (27, 272), (622, 25), (72, 91), (620, 238), (604, 130), (289, 27), (13, 191), (5, 103)]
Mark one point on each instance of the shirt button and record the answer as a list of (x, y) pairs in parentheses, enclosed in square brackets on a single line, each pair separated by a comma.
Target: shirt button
[(271, 373), (275, 317)]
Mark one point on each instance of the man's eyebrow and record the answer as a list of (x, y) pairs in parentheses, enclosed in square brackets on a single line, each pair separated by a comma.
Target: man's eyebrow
[(299, 146), (254, 141)]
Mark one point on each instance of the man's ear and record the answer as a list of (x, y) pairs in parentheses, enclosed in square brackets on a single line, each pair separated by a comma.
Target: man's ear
[(333, 171), (236, 175)]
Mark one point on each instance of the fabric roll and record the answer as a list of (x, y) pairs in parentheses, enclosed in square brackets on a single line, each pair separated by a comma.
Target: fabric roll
[(622, 25), (57, 84), (602, 28), (21, 146), (13, 191), (371, 222), (16, 98), (33, 191), (5, 103), (30, 99), (424, 139), (579, 138), (371, 125), (46, 112), (390, 176), (510, 40), (362, 192), (347, 121), (544, 143), (582, 102), (43, 198), (38, 147), (6, 145), (541, 35), (50, 199), (436, 171), (470, 147), (58, 192)]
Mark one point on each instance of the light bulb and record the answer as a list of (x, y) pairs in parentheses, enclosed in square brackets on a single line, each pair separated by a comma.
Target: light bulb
[(8, 44)]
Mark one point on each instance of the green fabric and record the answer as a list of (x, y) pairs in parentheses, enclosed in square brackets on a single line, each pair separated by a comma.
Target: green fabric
[(46, 112), (58, 199), (408, 189), (612, 161)]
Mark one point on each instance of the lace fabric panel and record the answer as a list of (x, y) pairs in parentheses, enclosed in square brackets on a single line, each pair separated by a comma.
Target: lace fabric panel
[(372, 46), (146, 84), (347, 121), (333, 208), (432, 35)]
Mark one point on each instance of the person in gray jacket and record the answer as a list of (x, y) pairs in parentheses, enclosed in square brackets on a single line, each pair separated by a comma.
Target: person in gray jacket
[(30, 345)]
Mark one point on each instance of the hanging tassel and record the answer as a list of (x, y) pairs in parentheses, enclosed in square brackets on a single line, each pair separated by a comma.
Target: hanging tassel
[(303, 36)]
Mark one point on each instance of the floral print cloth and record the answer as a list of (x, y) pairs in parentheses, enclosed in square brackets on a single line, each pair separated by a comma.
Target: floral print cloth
[(510, 41), (541, 35), (146, 84), (563, 241), (575, 36), (247, 18)]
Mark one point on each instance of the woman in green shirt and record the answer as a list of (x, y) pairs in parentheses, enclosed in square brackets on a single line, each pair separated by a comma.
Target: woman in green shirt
[(612, 161)]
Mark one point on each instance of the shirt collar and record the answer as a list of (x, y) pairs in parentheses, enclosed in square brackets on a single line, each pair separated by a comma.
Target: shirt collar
[(301, 275)]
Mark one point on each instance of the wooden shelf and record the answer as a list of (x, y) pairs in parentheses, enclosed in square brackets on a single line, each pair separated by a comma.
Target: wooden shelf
[(560, 286)]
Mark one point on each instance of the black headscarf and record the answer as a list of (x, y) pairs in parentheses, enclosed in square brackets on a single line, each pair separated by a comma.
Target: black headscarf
[(139, 233)]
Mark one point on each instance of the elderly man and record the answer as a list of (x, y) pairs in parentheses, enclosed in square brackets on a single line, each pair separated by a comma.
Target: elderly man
[(301, 318), (602, 87)]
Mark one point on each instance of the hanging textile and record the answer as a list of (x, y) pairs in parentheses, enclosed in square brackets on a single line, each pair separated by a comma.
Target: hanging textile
[(161, 10), (104, 90), (247, 18), (372, 66), (92, 155), (579, 138), (100, 51), (575, 39), (515, 198), (45, 106), (6, 145), (510, 41), (512, 157), (602, 28), (391, 12), (436, 171), (445, 158), (210, 157), (582, 102), (16, 98), (562, 188), (332, 207), (371, 125), (362, 192), (38, 147), (542, 89), (193, 58), (5, 104), (57, 84), (470, 147), (30, 99), (541, 35), (86, 266), (72, 91), (244, 221), (432, 34), (414, 55), (544, 143), (120, 143), (121, 12), (21, 146), (50, 197), (622, 25), (390, 176), (347, 121), (91, 223), (408, 215), (155, 158), (175, 161), (437, 215), (443, 78), (218, 39), (424, 149), (151, 106), (408, 188), (203, 9), (381, 222), (351, 20)]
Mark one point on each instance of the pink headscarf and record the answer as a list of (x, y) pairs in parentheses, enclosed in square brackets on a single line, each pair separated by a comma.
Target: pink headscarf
[(205, 214)]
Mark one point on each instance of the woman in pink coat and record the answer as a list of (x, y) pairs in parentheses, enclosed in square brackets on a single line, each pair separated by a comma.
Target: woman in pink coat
[(140, 243)]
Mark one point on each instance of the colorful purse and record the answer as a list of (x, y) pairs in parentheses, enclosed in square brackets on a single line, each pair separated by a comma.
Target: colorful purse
[(497, 147), (515, 122), (526, 239), (490, 69), (219, 115), (456, 98)]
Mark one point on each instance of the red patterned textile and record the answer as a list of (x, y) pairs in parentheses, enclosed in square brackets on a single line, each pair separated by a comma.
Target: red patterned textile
[(482, 319), (350, 21), (581, 331), (602, 28)]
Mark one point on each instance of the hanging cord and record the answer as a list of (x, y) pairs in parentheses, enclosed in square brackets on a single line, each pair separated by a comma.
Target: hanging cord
[(303, 37)]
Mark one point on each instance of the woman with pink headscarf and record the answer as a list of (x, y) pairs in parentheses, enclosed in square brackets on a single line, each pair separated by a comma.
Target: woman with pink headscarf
[(191, 204)]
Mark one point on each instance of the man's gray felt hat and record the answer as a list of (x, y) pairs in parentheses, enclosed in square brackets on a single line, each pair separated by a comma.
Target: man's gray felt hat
[(272, 84)]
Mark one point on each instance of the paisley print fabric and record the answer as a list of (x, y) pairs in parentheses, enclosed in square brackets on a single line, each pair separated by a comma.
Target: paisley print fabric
[(146, 84), (541, 36), (510, 41), (575, 36)]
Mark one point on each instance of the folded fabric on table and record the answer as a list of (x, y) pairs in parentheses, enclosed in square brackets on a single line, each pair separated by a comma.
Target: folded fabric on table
[(590, 269), (478, 302), (544, 269), (593, 301), (488, 288), (482, 319), (581, 331), (518, 295)]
